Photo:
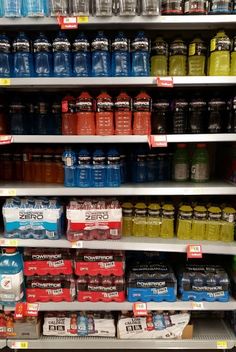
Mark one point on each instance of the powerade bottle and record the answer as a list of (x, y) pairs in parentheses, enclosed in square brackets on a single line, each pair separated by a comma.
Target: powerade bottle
[(42, 117), (172, 7), (216, 115), (34, 8), (140, 56), (69, 160), (150, 7), (231, 123), (104, 115), (55, 118), (16, 117), (99, 169), (69, 116), (100, 56), (120, 56), (178, 58), (81, 56), (139, 169), (11, 277), (12, 8), (5, 56), (123, 114), (197, 52), (113, 168), (61, 56), (80, 8), (103, 7), (195, 7), (59, 7), (159, 57), (42, 56), (233, 57), (197, 115), (180, 115), (142, 106), (200, 164), (151, 166), (84, 169), (160, 116), (127, 7), (85, 114), (219, 62), (22, 57)]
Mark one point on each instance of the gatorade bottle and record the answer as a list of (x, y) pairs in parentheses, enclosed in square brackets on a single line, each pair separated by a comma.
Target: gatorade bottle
[(61, 56), (84, 169), (123, 114), (200, 164), (100, 56), (197, 115), (142, 114), (197, 52), (127, 7), (160, 116), (99, 169), (233, 58), (22, 57), (216, 114), (159, 57), (69, 116), (180, 115), (104, 115), (5, 56), (140, 56), (178, 58), (81, 56), (219, 62), (12, 8), (59, 8), (120, 56), (85, 114), (113, 168), (181, 163), (11, 277), (42, 56), (16, 117), (127, 219), (36, 8)]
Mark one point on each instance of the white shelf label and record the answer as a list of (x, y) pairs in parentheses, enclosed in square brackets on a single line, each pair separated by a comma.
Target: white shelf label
[(77, 244), (5, 242), (197, 305), (23, 345)]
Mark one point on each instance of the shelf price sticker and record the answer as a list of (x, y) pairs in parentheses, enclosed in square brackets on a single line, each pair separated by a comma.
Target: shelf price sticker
[(140, 309), (24, 310), (77, 244), (8, 192), (82, 19), (4, 139), (23, 345), (5, 242), (165, 82), (67, 22), (5, 81), (197, 305), (157, 141), (194, 251), (222, 345)]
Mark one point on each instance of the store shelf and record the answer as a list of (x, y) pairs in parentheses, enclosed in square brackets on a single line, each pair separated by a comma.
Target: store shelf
[(127, 244), (114, 306), (174, 138), (91, 82), (3, 343), (208, 334), (137, 22), (160, 188)]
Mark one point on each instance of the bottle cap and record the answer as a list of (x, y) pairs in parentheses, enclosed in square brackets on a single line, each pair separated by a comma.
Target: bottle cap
[(10, 250)]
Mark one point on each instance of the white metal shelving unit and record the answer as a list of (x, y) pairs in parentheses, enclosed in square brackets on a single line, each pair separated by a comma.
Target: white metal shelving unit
[(207, 334)]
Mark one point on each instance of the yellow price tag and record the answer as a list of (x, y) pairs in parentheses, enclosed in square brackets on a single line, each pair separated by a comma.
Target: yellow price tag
[(197, 305), (20, 345), (8, 192), (5, 82), (82, 19), (77, 244), (222, 344), (11, 243)]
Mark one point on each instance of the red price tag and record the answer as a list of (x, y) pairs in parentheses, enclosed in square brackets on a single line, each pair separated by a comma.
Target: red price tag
[(6, 139), (140, 309), (19, 310), (32, 309), (64, 106), (194, 251), (67, 22), (158, 141), (165, 82)]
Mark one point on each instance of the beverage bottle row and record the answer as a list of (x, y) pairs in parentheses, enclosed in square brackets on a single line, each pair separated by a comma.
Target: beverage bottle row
[(41, 8), (82, 58), (197, 7)]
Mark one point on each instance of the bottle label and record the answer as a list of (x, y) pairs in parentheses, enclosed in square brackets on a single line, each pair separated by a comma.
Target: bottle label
[(181, 172), (11, 287), (200, 172)]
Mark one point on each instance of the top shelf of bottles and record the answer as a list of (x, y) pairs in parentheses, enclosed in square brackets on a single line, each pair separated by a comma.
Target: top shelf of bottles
[(137, 22)]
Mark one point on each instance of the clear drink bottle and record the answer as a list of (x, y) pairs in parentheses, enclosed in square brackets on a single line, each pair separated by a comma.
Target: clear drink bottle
[(127, 7), (81, 56), (80, 8), (22, 57), (150, 7), (34, 8), (100, 56), (42, 56), (59, 7), (103, 7), (61, 56), (140, 55), (12, 8), (5, 56), (16, 117), (120, 56)]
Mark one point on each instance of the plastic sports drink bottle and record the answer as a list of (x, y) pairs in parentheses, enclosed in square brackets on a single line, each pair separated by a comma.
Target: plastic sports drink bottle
[(5, 56), (104, 115), (34, 8), (197, 52), (69, 116), (85, 114), (233, 58), (219, 64), (142, 114), (123, 114), (113, 168), (42, 56), (120, 56), (61, 56), (200, 164), (99, 169), (197, 115), (140, 55), (59, 7), (159, 57), (181, 163), (16, 117), (80, 7), (127, 7), (70, 167), (81, 56), (12, 8), (180, 115), (22, 57), (84, 169), (216, 114), (100, 56), (178, 58), (150, 7), (103, 7), (160, 116)]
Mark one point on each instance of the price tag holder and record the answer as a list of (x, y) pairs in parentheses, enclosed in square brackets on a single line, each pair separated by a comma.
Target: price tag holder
[(19, 312), (158, 141), (165, 82), (21, 345), (67, 22), (32, 310), (197, 305), (140, 309), (222, 345), (77, 244), (5, 139), (5, 81), (194, 251), (82, 19), (5, 242)]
